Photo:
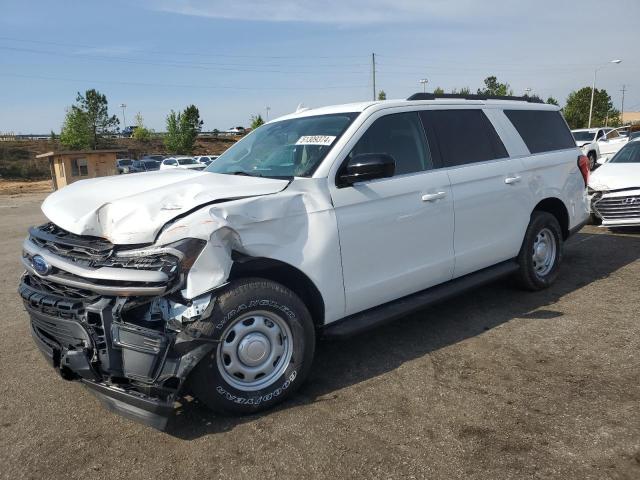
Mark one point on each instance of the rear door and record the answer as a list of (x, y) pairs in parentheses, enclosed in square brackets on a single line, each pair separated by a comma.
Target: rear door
[(396, 234), (491, 201)]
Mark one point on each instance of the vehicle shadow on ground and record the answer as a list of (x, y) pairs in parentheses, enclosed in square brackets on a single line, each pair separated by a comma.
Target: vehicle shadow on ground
[(339, 364)]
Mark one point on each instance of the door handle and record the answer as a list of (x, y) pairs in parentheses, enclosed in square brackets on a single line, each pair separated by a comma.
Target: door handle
[(432, 197), (512, 180)]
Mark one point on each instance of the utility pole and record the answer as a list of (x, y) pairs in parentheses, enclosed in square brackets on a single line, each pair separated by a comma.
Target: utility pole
[(373, 71), (624, 89), (268, 108)]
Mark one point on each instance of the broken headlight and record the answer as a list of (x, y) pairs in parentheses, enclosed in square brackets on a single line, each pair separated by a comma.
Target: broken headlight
[(185, 252)]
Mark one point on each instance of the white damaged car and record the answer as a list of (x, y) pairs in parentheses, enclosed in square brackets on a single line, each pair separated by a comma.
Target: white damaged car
[(328, 221), (615, 188)]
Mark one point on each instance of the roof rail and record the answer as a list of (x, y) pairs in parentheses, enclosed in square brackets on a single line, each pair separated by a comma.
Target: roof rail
[(433, 96)]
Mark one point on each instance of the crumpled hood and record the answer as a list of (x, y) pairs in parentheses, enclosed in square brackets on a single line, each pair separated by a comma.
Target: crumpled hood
[(582, 143), (129, 209), (613, 176)]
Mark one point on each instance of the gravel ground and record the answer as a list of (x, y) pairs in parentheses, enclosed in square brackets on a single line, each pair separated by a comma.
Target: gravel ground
[(496, 384)]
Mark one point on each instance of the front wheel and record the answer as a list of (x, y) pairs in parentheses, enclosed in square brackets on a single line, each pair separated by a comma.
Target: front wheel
[(265, 341), (541, 252)]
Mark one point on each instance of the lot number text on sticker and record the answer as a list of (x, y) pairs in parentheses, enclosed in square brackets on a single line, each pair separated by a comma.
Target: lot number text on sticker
[(316, 140)]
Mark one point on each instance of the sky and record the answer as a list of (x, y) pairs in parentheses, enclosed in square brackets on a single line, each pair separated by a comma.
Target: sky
[(238, 59)]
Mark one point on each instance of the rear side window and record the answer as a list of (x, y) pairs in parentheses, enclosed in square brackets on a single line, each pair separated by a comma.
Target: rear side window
[(463, 136), (541, 130)]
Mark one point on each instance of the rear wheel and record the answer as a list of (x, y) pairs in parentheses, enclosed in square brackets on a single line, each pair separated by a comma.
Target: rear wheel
[(265, 345), (541, 252)]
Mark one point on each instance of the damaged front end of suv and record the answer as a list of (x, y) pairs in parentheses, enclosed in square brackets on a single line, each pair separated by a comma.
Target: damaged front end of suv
[(114, 317)]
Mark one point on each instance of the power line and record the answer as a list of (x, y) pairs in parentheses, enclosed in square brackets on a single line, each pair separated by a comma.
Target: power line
[(176, 64), (165, 52), (167, 85)]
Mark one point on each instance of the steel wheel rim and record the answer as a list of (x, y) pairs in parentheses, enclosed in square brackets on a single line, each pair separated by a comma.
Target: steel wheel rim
[(544, 252), (254, 350)]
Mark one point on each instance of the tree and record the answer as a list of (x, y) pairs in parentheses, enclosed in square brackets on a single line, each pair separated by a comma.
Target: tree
[(382, 95), (493, 87), (141, 133), (173, 140), (552, 101), (94, 104), (438, 91), (462, 91), (576, 110), (76, 132), (88, 122), (182, 130), (256, 121)]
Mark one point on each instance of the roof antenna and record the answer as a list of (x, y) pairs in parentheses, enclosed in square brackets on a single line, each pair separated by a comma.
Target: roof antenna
[(301, 108)]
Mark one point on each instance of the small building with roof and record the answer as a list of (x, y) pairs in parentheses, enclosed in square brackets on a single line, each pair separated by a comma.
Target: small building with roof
[(72, 165)]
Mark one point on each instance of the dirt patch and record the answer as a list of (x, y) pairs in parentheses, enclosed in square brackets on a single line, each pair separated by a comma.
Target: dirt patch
[(13, 187)]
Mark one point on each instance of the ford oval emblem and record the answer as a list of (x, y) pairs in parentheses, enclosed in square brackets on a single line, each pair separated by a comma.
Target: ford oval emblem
[(40, 265)]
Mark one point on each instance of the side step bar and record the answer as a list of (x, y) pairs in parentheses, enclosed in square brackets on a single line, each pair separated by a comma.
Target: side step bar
[(377, 316)]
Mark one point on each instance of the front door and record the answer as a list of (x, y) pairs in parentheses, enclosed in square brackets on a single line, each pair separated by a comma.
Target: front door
[(396, 234)]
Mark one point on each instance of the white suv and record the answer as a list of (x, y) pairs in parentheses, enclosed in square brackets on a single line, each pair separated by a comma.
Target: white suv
[(328, 221)]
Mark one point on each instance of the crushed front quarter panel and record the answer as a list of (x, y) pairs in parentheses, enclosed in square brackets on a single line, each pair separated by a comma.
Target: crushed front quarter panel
[(296, 226)]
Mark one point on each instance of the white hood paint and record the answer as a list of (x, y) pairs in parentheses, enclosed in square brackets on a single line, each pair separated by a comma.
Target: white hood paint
[(130, 209), (614, 176)]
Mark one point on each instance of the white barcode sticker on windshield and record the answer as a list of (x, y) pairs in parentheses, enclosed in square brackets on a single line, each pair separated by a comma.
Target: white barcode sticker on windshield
[(315, 140)]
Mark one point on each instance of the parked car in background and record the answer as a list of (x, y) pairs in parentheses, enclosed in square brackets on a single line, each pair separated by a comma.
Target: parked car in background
[(181, 162), (236, 131), (586, 139), (328, 221), (154, 156), (124, 165), (205, 159), (615, 188), (609, 143), (144, 165), (127, 132)]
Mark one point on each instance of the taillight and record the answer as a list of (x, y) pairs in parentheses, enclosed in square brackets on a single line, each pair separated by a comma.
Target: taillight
[(583, 165)]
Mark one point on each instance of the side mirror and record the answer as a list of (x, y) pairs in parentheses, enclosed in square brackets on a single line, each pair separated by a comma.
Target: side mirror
[(366, 166)]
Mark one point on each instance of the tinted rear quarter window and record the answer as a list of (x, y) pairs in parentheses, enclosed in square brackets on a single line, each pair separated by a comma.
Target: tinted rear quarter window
[(463, 136), (541, 130)]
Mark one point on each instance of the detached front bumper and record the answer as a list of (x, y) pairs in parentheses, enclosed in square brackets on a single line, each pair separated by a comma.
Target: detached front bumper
[(134, 370), (118, 325)]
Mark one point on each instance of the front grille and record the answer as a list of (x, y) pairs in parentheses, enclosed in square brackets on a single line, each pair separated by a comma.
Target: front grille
[(59, 289), (66, 333), (618, 208), (82, 249)]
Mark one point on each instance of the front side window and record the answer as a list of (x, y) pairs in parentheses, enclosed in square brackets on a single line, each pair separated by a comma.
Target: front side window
[(284, 149), (463, 136), (613, 134), (401, 136)]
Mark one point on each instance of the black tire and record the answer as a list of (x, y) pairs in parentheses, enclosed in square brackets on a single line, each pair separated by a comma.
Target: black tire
[(238, 301), (529, 276), (592, 160)]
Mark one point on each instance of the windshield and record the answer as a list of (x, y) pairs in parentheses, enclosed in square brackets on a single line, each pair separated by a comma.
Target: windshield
[(288, 148), (630, 153), (186, 161), (584, 136), (151, 165)]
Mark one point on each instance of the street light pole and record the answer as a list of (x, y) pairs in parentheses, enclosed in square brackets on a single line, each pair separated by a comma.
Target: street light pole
[(424, 82), (268, 108), (124, 119), (593, 87)]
